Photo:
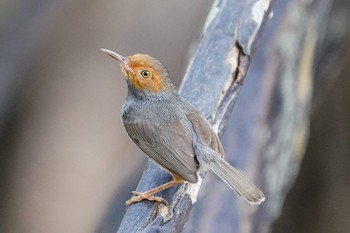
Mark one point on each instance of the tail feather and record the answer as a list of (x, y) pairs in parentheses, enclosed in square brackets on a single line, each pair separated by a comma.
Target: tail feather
[(233, 178)]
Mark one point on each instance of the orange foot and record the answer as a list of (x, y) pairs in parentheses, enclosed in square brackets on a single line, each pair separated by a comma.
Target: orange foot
[(144, 196)]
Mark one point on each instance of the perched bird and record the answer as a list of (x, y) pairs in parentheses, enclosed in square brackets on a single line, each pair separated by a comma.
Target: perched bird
[(171, 131)]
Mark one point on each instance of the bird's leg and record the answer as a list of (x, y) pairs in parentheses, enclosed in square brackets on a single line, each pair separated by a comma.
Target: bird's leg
[(149, 194)]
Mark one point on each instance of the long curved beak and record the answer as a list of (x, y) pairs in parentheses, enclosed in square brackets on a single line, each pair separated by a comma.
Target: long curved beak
[(123, 61)]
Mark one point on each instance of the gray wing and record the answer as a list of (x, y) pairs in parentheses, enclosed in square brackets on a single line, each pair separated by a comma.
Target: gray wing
[(170, 146), (205, 132), (241, 185)]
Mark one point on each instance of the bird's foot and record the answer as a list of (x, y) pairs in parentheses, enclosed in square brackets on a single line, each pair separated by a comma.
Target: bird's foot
[(144, 196)]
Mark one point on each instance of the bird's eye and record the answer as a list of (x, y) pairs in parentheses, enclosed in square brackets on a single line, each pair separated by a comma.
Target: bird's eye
[(145, 73)]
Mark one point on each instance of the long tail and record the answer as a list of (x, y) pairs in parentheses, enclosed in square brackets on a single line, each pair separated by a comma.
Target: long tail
[(233, 178)]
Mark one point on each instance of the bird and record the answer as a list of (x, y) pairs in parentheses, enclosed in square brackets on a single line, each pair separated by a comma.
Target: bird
[(172, 132)]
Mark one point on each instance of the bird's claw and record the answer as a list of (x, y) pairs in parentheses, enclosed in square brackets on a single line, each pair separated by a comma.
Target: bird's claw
[(141, 196)]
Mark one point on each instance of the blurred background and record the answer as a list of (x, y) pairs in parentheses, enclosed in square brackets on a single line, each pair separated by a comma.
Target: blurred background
[(64, 153)]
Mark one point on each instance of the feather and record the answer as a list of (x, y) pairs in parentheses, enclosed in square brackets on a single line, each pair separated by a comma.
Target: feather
[(168, 145)]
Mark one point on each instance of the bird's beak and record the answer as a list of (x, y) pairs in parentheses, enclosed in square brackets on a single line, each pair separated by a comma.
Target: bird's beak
[(123, 61)]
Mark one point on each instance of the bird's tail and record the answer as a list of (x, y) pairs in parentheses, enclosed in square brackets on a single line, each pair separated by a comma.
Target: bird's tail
[(233, 178)]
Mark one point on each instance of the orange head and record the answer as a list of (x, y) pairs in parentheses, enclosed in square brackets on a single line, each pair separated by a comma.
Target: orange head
[(144, 74)]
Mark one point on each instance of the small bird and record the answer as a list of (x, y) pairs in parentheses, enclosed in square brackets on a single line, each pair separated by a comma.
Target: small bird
[(171, 131)]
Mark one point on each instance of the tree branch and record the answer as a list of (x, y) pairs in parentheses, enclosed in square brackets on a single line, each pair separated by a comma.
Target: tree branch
[(212, 83)]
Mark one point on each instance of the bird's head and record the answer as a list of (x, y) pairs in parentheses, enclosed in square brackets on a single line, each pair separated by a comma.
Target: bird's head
[(144, 74)]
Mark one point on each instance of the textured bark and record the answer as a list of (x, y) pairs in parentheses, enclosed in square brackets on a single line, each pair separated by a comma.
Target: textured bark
[(212, 83), (271, 128), (268, 134)]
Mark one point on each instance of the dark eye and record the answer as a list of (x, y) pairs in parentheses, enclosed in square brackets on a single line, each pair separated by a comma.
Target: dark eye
[(145, 73)]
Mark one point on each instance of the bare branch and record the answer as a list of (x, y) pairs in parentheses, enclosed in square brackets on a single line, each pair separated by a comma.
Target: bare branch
[(212, 83)]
